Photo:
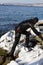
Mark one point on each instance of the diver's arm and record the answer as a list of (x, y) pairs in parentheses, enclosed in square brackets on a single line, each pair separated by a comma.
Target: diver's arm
[(36, 32)]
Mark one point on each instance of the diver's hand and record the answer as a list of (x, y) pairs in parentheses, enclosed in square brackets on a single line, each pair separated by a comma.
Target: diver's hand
[(40, 35)]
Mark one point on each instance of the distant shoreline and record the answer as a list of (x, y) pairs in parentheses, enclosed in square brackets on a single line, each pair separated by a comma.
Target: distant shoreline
[(22, 4)]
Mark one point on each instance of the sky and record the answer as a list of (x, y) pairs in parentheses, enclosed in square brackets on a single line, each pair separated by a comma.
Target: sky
[(21, 1)]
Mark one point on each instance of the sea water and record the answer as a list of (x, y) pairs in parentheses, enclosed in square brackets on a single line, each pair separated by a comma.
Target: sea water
[(13, 14)]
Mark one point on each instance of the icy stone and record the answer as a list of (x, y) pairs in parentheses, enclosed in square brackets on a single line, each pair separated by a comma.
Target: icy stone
[(12, 63)]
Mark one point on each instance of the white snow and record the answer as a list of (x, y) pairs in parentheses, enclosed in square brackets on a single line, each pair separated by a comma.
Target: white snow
[(7, 40), (30, 58), (34, 57), (12, 63)]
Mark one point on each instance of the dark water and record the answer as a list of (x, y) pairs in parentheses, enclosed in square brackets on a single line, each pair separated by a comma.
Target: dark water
[(10, 15)]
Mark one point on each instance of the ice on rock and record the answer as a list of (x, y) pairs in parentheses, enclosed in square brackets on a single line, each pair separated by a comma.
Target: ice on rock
[(7, 40), (25, 57), (12, 63), (34, 57)]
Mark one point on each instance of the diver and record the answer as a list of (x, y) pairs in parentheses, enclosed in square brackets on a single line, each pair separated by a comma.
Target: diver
[(21, 29)]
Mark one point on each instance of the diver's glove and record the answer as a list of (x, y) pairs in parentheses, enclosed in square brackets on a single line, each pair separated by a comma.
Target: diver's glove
[(40, 35)]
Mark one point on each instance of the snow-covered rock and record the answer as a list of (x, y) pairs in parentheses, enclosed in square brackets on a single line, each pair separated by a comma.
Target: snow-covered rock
[(33, 57), (7, 40), (12, 63), (25, 57)]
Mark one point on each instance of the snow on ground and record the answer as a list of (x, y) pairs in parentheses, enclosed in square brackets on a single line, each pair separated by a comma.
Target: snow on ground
[(12, 63), (7, 40), (34, 57), (30, 58)]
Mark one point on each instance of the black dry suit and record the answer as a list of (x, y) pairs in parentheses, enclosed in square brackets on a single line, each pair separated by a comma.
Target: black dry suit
[(21, 29)]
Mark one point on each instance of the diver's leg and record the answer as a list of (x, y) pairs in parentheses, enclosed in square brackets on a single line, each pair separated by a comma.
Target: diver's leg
[(17, 37), (27, 39), (27, 44)]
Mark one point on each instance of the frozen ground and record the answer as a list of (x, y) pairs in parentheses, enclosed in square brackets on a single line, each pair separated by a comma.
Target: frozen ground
[(34, 57)]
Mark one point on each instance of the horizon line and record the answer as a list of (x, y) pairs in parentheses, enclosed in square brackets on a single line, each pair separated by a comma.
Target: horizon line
[(23, 4)]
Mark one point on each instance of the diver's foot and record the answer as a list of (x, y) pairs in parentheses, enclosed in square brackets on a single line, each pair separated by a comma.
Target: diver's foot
[(11, 56), (29, 48)]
